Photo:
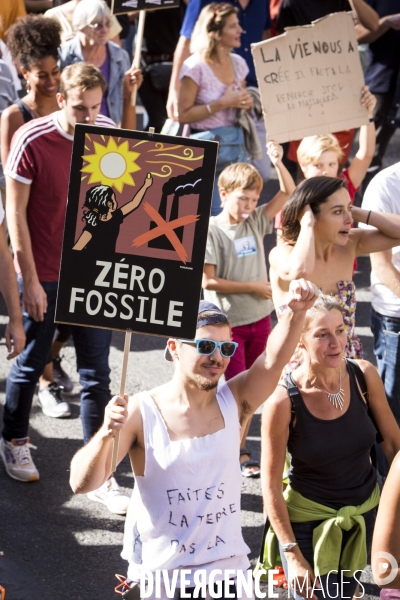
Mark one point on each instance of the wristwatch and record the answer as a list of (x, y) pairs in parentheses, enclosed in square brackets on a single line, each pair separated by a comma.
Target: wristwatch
[(289, 546)]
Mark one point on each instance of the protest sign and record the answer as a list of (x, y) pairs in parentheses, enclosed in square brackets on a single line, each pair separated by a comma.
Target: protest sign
[(135, 231), (310, 79), (120, 7)]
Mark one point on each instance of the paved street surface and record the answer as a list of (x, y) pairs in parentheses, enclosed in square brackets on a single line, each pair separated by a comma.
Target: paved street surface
[(57, 546)]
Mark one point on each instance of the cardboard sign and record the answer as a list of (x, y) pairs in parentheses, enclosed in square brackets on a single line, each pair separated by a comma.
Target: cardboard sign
[(120, 7), (310, 79), (135, 231)]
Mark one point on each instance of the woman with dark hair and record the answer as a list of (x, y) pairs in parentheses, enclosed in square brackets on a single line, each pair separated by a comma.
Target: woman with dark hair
[(104, 218), (319, 244), (328, 413), (33, 42)]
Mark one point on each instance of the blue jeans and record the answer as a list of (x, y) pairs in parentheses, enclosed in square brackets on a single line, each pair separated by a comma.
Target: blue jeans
[(92, 348), (386, 332), (332, 584)]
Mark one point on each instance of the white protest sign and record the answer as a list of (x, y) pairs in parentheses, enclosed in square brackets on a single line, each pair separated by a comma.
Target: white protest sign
[(310, 79)]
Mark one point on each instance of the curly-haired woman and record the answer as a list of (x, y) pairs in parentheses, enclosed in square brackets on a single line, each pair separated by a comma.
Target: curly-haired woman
[(33, 42)]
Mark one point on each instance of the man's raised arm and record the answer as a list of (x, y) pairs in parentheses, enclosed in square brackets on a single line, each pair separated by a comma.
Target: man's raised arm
[(254, 386), (367, 16), (182, 52)]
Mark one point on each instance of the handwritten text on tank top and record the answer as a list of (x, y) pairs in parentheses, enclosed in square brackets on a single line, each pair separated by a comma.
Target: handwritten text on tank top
[(178, 499)]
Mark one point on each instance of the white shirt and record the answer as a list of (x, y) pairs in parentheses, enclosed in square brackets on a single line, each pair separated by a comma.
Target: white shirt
[(383, 195), (185, 510), (2, 215)]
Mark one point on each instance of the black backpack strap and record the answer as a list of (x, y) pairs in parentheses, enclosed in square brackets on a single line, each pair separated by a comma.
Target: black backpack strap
[(297, 407), (360, 379)]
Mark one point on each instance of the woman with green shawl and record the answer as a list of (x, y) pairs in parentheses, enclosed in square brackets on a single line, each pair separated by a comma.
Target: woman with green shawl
[(328, 413)]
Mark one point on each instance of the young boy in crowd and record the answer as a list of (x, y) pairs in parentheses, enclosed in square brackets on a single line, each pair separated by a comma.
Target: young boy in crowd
[(322, 155), (235, 274)]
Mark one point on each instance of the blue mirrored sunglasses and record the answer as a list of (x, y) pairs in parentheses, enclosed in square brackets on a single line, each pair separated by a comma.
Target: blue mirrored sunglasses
[(207, 347)]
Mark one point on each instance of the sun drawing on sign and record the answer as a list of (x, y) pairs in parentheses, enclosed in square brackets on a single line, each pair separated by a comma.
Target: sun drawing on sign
[(111, 164)]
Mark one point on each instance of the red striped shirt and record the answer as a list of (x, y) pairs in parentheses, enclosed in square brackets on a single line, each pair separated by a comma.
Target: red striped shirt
[(40, 156)]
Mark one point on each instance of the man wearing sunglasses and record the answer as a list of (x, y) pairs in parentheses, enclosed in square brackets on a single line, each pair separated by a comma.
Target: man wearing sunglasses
[(183, 441)]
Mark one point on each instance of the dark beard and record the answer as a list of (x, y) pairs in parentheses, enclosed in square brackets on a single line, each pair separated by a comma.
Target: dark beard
[(204, 384)]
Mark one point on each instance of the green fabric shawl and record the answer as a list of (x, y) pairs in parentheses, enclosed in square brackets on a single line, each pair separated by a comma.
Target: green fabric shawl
[(327, 537)]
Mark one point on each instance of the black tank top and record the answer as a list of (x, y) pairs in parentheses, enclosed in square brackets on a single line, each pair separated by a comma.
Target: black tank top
[(330, 459), (27, 114)]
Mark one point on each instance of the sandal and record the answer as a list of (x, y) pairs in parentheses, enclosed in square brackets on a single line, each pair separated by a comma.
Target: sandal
[(249, 463)]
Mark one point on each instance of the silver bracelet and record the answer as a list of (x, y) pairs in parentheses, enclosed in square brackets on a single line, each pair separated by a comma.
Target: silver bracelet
[(208, 107), (289, 546)]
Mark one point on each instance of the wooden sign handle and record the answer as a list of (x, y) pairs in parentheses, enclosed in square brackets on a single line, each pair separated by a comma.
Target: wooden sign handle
[(127, 347), (138, 50)]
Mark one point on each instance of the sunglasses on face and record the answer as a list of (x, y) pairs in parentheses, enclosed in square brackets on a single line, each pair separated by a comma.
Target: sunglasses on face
[(100, 25), (207, 347)]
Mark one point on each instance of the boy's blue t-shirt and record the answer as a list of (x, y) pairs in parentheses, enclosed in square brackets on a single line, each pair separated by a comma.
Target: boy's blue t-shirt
[(237, 251)]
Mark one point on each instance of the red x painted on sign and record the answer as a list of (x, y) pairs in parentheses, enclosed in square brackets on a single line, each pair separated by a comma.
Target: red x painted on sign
[(165, 228)]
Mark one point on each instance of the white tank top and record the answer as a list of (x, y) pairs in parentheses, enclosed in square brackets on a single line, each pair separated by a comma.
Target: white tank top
[(185, 510)]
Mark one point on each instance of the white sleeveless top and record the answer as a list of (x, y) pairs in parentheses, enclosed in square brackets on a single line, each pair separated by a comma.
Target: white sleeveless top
[(185, 510)]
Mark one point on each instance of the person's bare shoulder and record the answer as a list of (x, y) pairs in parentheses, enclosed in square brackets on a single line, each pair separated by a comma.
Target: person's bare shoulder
[(13, 115), (280, 251), (11, 120), (133, 427), (278, 409), (354, 236), (369, 370), (396, 466), (280, 399), (365, 365), (161, 392)]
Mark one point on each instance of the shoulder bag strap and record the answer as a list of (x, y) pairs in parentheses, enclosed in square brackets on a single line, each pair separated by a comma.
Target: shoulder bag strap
[(297, 407), (363, 389)]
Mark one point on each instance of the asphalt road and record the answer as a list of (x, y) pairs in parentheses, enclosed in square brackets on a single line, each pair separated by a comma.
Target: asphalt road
[(55, 545)]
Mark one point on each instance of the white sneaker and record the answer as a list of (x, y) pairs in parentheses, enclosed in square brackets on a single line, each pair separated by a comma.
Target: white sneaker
[(51, 402), (17, 459), (112, 496)]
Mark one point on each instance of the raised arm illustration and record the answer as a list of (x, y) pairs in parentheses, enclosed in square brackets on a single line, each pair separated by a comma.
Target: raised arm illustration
[(102, 206)]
